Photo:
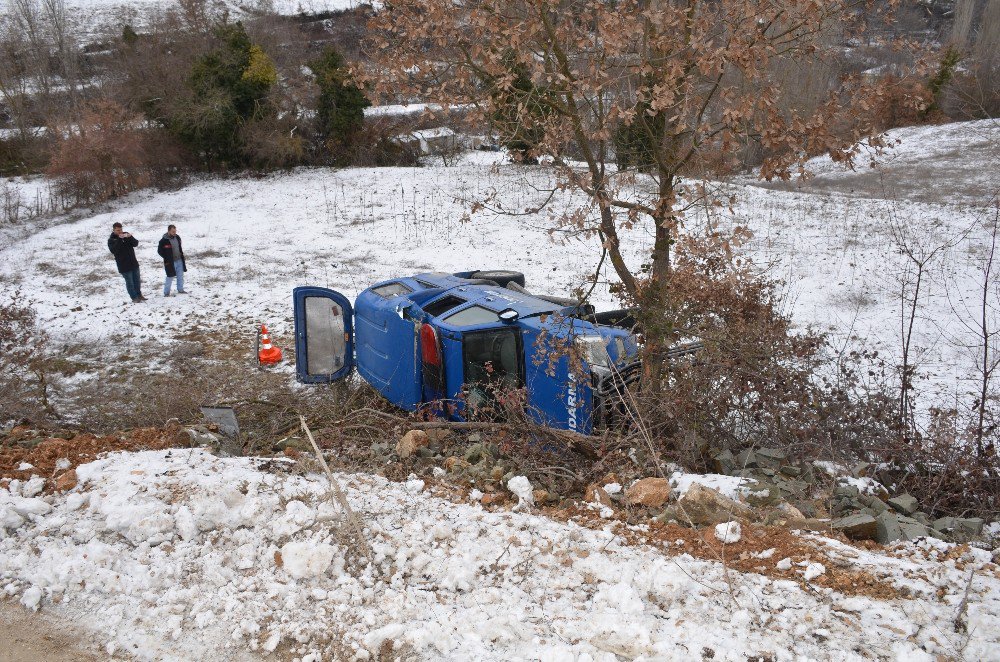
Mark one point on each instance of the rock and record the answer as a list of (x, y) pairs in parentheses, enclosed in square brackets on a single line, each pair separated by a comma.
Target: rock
[(493, 499), (912, 530), (746, 460), (497, 472), (790, 511), (848, 491), (945, 524), (808, 524), (856, 527), (789, 470), (66, 481), (476, 453), (878, 505), (650, 492), (860, 469), (201, 437), (411, 443), (724, 462), (966, 529), (702, 505), (425, 453), (904, 503), (437, 435), (455, 464), (540, 496), (770, 457), (888, 528), (596, 494), (922, 518)]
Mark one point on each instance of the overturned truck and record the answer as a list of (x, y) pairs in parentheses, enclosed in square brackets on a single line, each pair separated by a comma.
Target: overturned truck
[(456, 344)]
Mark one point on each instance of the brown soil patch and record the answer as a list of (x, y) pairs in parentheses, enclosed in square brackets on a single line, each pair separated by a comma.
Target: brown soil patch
[(28, 637), (19, 447)]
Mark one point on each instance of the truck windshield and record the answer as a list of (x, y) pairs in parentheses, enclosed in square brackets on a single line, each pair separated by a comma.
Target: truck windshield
[(493, 364)]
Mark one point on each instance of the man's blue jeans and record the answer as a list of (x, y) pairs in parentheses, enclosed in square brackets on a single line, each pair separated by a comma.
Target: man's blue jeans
[(179, 270), (132, 284)]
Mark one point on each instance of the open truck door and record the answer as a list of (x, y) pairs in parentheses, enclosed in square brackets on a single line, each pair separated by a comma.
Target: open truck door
[(324, 335)]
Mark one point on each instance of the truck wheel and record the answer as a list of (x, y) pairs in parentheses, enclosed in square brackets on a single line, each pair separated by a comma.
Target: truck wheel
[(501, 277)]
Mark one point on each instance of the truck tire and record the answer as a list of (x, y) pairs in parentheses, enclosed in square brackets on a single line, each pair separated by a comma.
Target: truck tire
[(501, 277)]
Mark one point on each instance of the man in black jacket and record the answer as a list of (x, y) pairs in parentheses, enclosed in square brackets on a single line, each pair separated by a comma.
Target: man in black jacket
[(173, 260), (122, 245)]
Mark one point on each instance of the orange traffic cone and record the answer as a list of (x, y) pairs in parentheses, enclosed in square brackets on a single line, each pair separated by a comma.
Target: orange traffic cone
[(267, 354)]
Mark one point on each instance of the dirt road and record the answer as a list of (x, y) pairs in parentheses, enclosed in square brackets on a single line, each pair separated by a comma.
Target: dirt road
[(29, 637)]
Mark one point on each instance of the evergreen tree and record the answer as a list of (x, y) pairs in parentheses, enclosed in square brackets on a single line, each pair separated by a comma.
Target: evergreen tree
[(229, 88), (341, 104), (519, 110)]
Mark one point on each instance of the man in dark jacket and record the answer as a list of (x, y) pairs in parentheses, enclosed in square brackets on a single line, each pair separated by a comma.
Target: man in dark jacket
[(173, 260), (122, 245)]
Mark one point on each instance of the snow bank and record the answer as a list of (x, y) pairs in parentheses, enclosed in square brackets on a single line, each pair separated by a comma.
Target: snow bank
[(182, 555)]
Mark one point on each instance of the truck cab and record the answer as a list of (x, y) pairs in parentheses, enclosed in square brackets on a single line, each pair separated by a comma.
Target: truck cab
[(455, 344)]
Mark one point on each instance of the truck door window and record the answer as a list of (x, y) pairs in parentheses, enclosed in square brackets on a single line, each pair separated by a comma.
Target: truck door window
[(493, 364), (326, 343), (471, 316), (390, 290)]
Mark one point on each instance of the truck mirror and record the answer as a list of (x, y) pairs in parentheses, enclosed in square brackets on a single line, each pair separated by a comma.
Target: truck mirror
[(509, 315)]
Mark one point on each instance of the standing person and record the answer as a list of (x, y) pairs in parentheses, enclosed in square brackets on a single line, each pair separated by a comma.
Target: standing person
[(122, 245), (173, 260)]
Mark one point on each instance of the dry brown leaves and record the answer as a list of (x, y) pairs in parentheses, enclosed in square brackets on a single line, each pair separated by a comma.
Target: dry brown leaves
[(80, 449)]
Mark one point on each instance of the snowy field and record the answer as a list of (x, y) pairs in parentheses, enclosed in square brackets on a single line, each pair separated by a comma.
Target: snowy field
[(179, 555), (250, 241), (172, 555)]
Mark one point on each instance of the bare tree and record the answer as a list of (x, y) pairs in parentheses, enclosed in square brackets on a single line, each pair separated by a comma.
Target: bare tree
[(693, 79)]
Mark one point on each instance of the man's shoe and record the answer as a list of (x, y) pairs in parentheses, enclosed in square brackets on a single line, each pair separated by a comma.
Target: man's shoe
[(142, 298), (137, 300), (166, 294), (182, 291)]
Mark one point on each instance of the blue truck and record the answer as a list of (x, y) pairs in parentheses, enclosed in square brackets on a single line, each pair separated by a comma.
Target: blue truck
[(455, 343)]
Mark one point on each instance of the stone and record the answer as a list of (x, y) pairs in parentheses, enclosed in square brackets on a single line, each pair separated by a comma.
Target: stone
[(914, 530), (493, 499), (649, 492), (437, 435), (475, 453), (789, 470), (66, 481), (856, 527), (904, 503), (411, 442), (888, 528), (793, 486), (724, 462), (596, 494), (860, 469), (455, 463), (922, 518), (878, 505), (540, 496), (849, 491), (970, 526), (945, 524), (425, 453), (808, 524), (770, 457), (702, 506), (746, 459)]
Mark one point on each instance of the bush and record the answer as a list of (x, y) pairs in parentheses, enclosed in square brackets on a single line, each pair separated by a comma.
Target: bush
[(228, 88), (519, 110), (340, 107), (756, 382), (102, 157)]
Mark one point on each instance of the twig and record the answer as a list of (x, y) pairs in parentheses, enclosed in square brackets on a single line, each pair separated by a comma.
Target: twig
[(353, 520)]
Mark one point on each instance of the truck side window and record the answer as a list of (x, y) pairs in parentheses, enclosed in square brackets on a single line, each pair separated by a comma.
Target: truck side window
[(442, 305), (471, 316), (390, 290), (493, 364)]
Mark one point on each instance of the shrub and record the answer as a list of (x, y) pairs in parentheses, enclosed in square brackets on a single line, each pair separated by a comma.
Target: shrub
[(340, 106), (228, 87), (519, 108), (102, 157), (23, 380)]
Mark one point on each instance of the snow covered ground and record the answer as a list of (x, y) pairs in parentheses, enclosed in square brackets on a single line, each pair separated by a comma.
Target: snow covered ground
[(250, 241), (182, 555)]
